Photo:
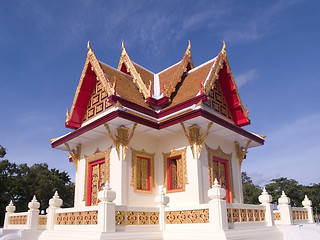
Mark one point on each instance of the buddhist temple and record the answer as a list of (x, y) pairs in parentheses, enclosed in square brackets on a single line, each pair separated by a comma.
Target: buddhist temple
[(158, 156)]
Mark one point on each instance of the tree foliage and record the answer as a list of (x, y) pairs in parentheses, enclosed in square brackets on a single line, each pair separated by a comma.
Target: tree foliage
[(3, 151), (20, 182), (251, 191)]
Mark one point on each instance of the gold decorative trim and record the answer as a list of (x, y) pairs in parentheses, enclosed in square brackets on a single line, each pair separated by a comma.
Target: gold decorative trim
[(95, 66), (74, 154), (134, 177), (241, 151), (122, 140), (174, 153), (195, 138), (218, 64), (146, 92), (219, 153), (97, 155), (171, 87)]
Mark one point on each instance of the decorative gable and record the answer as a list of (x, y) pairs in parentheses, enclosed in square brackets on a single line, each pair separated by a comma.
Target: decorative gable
[(98, 102)]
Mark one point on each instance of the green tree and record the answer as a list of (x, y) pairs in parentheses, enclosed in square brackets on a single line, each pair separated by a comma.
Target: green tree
[(22, 182), (291, 187), (3, 151), (251, 191)]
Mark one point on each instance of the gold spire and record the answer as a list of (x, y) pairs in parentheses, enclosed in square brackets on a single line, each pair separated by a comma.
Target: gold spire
[(88, 46)]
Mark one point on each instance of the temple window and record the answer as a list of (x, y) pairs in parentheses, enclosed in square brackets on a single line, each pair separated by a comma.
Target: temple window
[(175, 170), (220, 168), (97, 174), (142, 177)]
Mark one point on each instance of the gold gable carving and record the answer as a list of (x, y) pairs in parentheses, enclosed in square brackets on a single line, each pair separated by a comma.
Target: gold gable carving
[(95, 66), (125, 59), (135, 170), (171, 86), (183, 170), (122, 140), (97, 155), (195, 138), (98, 102), (219, 153)]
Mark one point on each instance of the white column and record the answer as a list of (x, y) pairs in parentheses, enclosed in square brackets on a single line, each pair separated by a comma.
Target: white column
[(217, 207), (54, 203), (308, 205), (265, 198), (33, 214), (106, 211), (285, 209), (162, 201), (9, 209)]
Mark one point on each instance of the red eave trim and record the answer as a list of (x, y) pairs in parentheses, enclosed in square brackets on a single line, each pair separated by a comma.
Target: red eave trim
[(170, 122), (157, 102)]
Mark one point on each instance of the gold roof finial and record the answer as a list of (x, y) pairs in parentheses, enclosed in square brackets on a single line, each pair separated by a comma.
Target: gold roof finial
[(223, 50), (88, 46)]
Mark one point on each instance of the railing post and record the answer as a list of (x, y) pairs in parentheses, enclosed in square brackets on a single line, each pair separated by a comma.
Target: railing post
[(285, 209), (33, 214), (106, 210), (54, 203), (162, 200), (217, 207), (9, 209), (307, 204), (265, 198)]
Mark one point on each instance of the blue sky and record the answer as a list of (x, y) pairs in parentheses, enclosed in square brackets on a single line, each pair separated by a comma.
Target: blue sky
[(272, 46)]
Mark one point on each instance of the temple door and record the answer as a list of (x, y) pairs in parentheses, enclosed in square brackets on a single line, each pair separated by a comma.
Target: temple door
[(97, 179), (220, 171)]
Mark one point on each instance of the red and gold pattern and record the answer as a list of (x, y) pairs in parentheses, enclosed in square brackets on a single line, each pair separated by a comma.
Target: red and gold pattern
[(136, 218), (42, 220), (229, 214), (250, 215), (18, 220), (217, 101), (256, 215), (277, 216), (262, 215), (78, 218), (188, 216), (97, 103), (243, 215), (235, 215)]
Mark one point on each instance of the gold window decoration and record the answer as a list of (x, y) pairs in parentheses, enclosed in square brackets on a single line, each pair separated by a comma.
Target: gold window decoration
[(97, 173), (175, 170), (220, 167), (142, 172)]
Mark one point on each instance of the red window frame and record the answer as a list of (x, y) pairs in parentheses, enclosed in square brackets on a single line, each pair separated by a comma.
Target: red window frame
[(226, 169), (90, 179)]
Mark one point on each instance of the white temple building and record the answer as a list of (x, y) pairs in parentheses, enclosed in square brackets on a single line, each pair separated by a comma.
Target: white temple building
[(157, 156)]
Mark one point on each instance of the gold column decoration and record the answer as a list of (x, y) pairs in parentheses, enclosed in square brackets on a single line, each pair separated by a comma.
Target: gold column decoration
[(195, 138), (122, 140), (140, 171), (74, 154), (241, 151)]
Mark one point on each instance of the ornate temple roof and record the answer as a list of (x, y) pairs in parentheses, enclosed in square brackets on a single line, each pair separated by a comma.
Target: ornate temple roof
[(158, 100)]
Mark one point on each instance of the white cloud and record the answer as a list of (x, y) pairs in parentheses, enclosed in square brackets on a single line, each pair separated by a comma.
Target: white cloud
[(246, 77)]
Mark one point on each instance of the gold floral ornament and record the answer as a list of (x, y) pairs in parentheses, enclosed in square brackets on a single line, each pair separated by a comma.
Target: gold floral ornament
[(74, 154), (195, 138), (122, 140), (242, 151)]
